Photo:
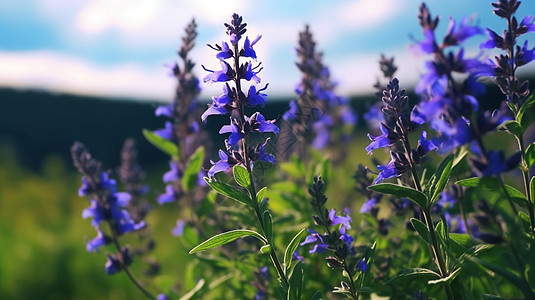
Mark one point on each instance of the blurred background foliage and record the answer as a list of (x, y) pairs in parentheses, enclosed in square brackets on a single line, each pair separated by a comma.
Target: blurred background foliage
[(42, 234)]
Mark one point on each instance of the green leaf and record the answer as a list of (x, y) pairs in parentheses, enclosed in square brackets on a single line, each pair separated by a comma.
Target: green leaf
[(532, 188), (413, 274), (166, 146), (241, 176), (443, 175), (508, 275), (268, 225), (324, 170), (514, 128), (493, 184), (446, 279), (422, 230), (261, 194), (529, 156), (296, 283), (525, 221), (193, 291), (491, 297), (526, 112), (228, 191), (226, 237), (463, 151), (292, 246), (191, 174), (401, 191), (317, 296)]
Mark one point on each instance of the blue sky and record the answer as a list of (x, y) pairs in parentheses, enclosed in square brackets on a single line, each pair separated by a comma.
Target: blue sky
[(119, 48)]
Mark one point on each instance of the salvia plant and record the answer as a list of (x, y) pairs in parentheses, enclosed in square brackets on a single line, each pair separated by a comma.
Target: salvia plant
[(442, 211)]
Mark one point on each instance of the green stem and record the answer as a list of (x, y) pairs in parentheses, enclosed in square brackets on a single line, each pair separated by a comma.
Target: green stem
[(354, 293), (124, 267), (527, 189)]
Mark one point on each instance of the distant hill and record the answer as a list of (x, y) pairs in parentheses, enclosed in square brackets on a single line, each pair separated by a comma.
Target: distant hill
[(37, 123)]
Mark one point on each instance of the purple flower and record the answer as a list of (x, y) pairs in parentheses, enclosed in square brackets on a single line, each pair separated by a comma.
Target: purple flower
[(172, 174), (250, 73), (315, 238), (380, 141), (298, 257), (346, 237), (259, 124), (263, 156), (220, 166), (493, 41), (112, 266), (225, 52), (368, 205), (291, 113), (386, 172), (335, 220), (425, 146), (235, 134), (162, 297), (362, 265), (321, 127), (100, 240), (255, 97), (427, 45), (169, 195), (496, 163), (179, 229), (248, 50), (454, 37), (527, 21), (225, 74), (167, 132), (165, 110), (219, 104)]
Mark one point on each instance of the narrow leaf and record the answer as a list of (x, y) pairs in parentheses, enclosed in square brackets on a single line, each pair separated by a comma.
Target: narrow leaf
[(268, 225), (422, 230), (524, 218), (317, 296), (261, 194), (446, 279), (224, 238), (529, 156), (532, 188), (514, 128), (292, 246), (191, 174), (508, 275), (296, 283), (526, 112), (229, 191), (166, 146), (401, 191), (494, 185), (415, 273), (193, 291), (241, 176), (443, 175)]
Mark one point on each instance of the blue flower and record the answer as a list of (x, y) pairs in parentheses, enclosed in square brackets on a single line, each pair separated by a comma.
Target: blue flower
[(112, 266), (368, 205), (427, 45), (169, 195), (99, 241), (388, 171), (346, 238), (335, 220), (255, 97), (167, 132), (172, 174), (493, 41), (291, 113), (362, 265), (220, 166), (315, 238), (225, 52), (321, 128), (259, 124), (527, 21), (454, 37), (250, 73), (179, 229), (298, 257), (380, 141), (165, 110), (219, 104), (248, 50), (263, 156), (425, 146), (162, 297), (235, 134), (225, 74)]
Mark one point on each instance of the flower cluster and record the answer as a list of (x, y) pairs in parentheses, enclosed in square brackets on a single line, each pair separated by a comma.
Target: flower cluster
[(233, 100), (182, 129), (317, 107), (339, 242), (107, 207), (446, 105), (399, 122), (505, 65)]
